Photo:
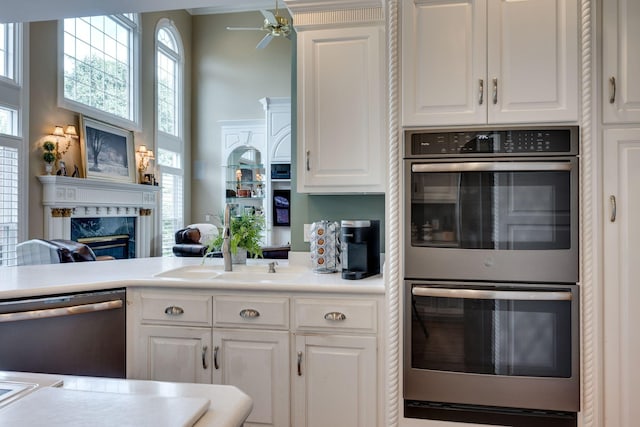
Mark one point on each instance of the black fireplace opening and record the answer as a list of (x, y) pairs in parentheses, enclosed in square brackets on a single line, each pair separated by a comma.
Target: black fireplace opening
[(110, 236)]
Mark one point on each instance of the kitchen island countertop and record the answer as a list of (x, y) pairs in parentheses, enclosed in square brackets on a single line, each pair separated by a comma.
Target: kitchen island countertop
[(228, 406)]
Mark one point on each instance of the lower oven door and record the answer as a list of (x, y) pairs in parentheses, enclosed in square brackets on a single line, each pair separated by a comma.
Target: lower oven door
[(506, 345)]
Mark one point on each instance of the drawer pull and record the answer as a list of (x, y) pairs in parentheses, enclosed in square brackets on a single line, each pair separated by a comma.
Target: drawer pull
[(335, 316), (215, 357), (174, 310), (204, 357), (249, 313), (299, 363)]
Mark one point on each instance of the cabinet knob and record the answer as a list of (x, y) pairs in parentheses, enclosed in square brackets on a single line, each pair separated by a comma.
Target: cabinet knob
[(335, 316), (249, 313), (174, 310)]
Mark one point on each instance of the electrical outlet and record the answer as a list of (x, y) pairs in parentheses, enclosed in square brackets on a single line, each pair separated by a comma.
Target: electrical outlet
[(307, 233), (207, 218)]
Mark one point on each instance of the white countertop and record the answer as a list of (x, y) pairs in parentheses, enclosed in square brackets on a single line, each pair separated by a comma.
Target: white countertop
[(34, 280), (228, 406)]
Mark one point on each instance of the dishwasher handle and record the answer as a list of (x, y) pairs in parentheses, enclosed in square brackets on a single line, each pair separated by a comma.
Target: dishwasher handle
[(61, 311)]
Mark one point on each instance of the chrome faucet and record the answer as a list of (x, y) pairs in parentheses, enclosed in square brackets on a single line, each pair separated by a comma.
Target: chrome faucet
[(226, 239)]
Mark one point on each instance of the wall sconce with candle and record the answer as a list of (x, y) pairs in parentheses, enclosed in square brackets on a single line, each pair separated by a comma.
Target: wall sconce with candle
[(144, 156)]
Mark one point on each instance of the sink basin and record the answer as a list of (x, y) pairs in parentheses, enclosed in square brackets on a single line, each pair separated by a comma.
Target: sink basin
[(257, 273)]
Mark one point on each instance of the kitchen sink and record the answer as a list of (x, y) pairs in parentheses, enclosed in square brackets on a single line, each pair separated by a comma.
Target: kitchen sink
[(257, 273)]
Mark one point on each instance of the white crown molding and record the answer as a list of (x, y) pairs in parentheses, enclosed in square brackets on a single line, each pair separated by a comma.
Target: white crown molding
[(304, 6), (310, 19), (233, 6)]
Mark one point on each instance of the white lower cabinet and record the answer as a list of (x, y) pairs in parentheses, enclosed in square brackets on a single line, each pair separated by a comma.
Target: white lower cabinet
[(257, 363), (335, 381), (305, 360), (171, 353)]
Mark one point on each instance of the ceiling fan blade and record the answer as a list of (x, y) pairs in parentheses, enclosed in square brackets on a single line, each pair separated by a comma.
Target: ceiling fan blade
[(264, 42), (269, 17), (244, 28)]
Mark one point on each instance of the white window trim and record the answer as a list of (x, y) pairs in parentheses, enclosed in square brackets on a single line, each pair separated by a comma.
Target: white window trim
[(136, 90), (15, 95)]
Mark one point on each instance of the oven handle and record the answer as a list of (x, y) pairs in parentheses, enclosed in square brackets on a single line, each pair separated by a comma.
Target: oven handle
[(62, 311), (491, 166), (488, 294)]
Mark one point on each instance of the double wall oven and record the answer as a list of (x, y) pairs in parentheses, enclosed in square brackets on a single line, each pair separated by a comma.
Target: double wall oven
[(491, 324)]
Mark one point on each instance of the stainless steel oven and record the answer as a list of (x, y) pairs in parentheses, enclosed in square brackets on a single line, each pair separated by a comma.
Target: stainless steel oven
[(491, 322), (492, 345), (496, 204)]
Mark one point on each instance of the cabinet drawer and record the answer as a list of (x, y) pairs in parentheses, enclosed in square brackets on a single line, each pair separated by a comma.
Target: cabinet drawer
[(178, 309), (335, 315), (251, 312)]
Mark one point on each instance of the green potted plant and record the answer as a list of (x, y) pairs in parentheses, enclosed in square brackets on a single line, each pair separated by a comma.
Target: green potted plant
[(48, 156), (246, 231)]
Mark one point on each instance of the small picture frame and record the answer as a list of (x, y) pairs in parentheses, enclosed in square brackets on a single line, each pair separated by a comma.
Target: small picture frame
[(107, 151)]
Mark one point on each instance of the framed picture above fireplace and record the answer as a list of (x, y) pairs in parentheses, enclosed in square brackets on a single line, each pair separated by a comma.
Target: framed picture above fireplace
[(107, 151)]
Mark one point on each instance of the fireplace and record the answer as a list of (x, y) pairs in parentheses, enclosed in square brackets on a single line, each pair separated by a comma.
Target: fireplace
[(113, 236), (101, 213)]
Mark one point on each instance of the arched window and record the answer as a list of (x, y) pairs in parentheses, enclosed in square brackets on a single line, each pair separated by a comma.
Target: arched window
[(170, 129)]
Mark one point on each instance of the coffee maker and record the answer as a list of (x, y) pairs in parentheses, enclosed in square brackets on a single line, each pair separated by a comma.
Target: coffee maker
[(360, 248)]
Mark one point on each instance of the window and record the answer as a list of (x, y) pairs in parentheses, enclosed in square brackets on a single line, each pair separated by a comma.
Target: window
[(13, 173), (169, 95), (100, 58), (7, 51)]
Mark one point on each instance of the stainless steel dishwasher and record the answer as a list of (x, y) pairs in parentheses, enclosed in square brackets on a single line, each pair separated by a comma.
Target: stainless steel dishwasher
[(73, 334)]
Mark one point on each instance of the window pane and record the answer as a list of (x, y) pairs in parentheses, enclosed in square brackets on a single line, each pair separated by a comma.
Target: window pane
[(97, 64), (7, 50), (168, 158), (8, 121), (8, 205), (172, 218)]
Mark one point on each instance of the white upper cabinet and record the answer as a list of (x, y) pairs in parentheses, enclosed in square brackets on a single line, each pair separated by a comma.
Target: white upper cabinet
[(489, 61), (621, 61), (341, 110)]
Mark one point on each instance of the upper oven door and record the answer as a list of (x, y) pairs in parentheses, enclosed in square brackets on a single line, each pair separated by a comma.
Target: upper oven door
[(489, 219)]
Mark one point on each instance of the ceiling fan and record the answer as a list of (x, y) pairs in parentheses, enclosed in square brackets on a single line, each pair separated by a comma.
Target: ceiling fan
[(276, 26)]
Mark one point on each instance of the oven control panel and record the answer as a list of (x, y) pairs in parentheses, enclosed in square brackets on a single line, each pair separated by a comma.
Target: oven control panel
[(551, 140)]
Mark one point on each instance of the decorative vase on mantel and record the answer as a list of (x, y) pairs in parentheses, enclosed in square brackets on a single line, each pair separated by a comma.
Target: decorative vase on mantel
[(48, 168), (239, 257)]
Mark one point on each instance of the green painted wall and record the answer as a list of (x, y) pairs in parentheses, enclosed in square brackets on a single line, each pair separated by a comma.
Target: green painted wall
[(306, 208)]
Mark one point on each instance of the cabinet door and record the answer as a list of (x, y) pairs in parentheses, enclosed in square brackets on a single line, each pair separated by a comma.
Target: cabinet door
[(443, 62), (334, 381), (621, 272), (341, 118), (168, 353), (621, 61), (257, 363), (532, 61)]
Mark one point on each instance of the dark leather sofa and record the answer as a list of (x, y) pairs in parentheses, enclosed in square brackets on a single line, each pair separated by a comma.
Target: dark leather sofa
[(187, 245)]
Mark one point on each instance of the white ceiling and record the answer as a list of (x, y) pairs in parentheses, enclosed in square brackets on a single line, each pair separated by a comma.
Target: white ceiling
[(41, 10)]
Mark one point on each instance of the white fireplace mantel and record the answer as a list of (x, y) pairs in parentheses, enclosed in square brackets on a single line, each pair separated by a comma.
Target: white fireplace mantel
[(64, 198)]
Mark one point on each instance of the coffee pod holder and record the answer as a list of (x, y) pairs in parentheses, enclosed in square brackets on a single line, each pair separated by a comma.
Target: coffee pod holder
[(325, 246)]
